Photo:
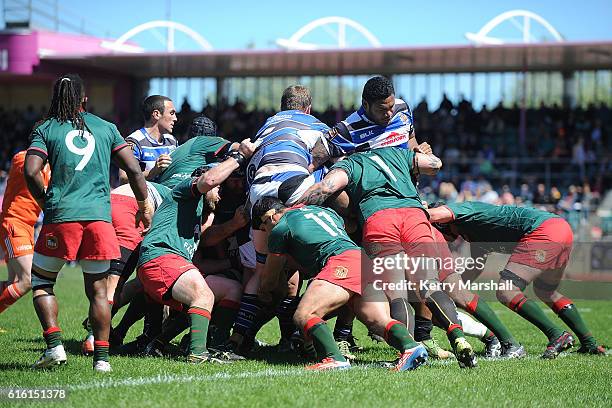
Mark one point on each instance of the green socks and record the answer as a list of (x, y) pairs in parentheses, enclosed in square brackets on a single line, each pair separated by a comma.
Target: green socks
[(323, 339), (200, 318), (529, 310), (398, 337), (483, 312)]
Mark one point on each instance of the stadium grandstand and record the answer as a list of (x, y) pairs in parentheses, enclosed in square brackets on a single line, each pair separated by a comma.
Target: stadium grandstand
[(515, 123)]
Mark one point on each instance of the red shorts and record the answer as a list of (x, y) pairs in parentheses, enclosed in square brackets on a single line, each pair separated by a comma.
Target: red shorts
[(343, 270), (447, 261), (159, 274), (547, 247), (390, 231), (123, 211), (16, 238), (73, 241)]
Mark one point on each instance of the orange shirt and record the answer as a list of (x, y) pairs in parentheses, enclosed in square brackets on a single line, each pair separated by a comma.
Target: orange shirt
[(18, 202)]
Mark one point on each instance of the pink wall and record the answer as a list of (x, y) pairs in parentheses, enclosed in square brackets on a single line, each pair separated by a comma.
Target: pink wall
[(20, 51)]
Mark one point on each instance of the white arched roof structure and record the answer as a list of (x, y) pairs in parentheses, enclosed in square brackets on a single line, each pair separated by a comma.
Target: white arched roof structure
[(120, 43), (294, 42), (482, 36)]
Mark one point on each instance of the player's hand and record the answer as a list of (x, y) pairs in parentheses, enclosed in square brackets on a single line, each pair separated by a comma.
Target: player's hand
[(162, 162), (241, 218), (424, 148), (144, 215), (247, 148)]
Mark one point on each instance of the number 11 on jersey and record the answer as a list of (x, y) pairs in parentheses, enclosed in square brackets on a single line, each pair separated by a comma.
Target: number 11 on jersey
[(326, 226)]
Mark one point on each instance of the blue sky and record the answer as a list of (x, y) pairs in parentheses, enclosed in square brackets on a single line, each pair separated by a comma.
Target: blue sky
[(236, 23)]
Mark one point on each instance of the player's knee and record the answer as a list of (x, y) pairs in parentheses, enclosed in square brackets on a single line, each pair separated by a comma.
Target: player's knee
[(234, 291), (505, 296), (544, 290), (43, 280)]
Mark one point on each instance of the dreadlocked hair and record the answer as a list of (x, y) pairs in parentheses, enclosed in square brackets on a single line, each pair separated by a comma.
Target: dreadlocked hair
[(68, 92)]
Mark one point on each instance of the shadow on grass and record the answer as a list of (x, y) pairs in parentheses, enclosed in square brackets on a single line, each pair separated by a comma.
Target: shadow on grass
[(15, 367), (73, 346)]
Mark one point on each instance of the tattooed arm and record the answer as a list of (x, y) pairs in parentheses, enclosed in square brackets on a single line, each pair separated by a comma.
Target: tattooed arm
[(320, 154), (334, 181), (427, 164)]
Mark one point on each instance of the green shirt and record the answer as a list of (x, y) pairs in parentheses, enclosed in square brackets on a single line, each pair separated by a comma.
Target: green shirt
[(197, 151), (380, 179), (310, 235), (496, 224), (79, 189), (176, 224)]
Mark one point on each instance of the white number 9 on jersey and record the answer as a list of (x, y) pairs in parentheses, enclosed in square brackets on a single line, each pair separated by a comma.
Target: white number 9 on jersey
[(86, 151)]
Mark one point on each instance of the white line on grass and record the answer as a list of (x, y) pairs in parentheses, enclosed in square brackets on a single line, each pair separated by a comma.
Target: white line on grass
[(169, 378)]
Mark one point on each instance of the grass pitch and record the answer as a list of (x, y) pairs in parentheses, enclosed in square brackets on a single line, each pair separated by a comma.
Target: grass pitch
[(275, 380)]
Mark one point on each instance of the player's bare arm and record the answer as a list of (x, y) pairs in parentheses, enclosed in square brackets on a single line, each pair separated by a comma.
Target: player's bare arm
[(217, 175), (427, 164), (440, 215), (33, 177), (333, 182), (214, 234), (320, 155)]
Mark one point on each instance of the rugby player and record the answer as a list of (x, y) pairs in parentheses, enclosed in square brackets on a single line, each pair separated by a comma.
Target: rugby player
[(153, 143), (280, 167), (123, 210), (315, 238), (382, 121), (202, 148), (77, 225), (164, 265), (380, 184), (498, 340), (20, 212), (540, 244)]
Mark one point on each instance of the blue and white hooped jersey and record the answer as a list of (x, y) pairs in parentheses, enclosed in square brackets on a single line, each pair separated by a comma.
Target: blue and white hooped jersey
[(358, 133), (286, 138), (147, 150)]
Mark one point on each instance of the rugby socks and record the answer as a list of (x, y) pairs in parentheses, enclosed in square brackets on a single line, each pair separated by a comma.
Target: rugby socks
[(101, 350), (454, 332), (285, 312), (249, 309), (402, 311), (483, 312), (8, 296), (568, 312), (223, 319), (397, 336), (529, 310), (200, 319), (342, 330), (444, 311), (323, 339), (471, 327), (53, 337), (422, 328)]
